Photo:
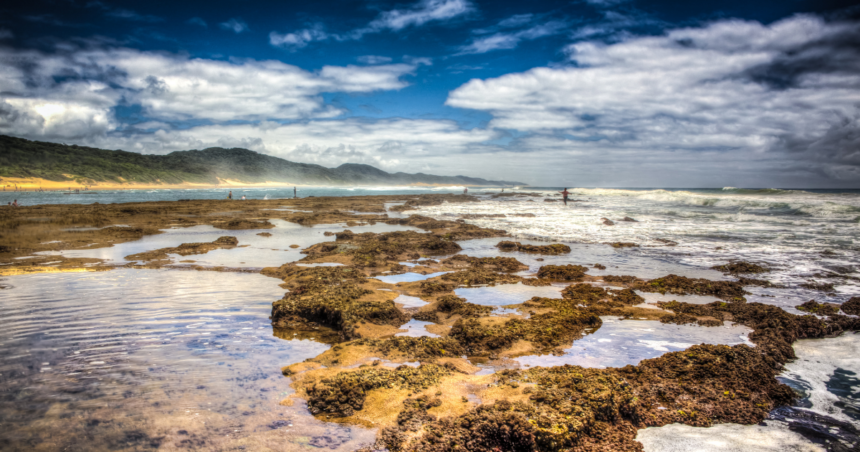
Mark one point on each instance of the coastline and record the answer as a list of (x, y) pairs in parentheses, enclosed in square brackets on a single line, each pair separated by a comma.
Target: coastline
[(35, 184), (336, 287)]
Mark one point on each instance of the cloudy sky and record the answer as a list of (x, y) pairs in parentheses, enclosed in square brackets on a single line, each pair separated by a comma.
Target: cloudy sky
[(613, 93)]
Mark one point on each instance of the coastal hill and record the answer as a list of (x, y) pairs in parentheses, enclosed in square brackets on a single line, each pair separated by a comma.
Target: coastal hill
[(20, 158)]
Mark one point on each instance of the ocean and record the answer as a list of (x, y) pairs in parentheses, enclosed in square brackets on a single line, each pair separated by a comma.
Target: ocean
[(107, 359)]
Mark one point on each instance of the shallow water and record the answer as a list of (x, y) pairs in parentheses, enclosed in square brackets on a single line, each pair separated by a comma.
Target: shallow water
[(407, 277), (254, 251), (146, 372), (134, 358), (505, 294), (416, 328), (626, 261), (621, 342)]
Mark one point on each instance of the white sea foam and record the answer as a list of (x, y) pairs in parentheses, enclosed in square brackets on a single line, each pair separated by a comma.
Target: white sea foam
[(775, 437), (817, 363), (785, 229)]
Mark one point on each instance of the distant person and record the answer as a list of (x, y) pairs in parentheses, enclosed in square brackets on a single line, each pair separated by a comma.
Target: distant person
[(295, 195), (230, 195), (243, 197), (15, 203), (465, 191), (565, 193)]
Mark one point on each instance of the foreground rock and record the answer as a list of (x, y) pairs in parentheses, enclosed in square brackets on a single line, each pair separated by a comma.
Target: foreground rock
[(554, 249)]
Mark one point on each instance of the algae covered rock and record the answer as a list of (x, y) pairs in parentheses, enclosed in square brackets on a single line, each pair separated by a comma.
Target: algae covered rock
[(741, 267), (476, 276), (852, 306), (331, 296), (681, 285), (553, 249), (814, 307), (562, 272), (346, 392)]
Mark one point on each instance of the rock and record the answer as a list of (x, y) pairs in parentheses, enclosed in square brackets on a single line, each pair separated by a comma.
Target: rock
[(607, 222), (852, 306)]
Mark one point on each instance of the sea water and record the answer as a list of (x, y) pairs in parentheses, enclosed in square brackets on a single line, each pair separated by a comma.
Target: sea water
[(122, 359)]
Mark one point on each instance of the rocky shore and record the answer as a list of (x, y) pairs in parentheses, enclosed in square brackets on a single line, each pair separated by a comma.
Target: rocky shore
[(426, 393)]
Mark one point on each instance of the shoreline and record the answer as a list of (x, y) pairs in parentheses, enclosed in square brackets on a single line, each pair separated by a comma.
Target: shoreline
[(35, 184), (364, 379)]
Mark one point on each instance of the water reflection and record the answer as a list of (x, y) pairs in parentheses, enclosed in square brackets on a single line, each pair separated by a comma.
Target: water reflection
[(133, 359), (621, 342), (505, 294), (628, 261), (254, 251)]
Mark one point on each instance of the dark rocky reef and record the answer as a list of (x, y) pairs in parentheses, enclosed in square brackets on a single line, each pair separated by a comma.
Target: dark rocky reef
[(681, 285), (346, 392), (740, 267), (852, 306), (554, 249), (332, 297), (476, 276), (501, 264), (814, 307), (562, 272), (590, 410)]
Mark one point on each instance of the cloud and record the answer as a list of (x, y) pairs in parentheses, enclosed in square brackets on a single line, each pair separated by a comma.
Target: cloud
[(387, 143), (395, 20), (373, 59), (122, 13), (6, 34), (198, 21), (510, 40), (516, 20), (51, 95), (421, 13), (787, 91), (235, 25), (301, 38)]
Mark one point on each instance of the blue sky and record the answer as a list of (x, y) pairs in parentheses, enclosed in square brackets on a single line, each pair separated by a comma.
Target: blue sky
[(583, 93)]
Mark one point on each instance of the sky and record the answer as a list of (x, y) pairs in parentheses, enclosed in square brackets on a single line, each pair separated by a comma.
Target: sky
[(587, 93)]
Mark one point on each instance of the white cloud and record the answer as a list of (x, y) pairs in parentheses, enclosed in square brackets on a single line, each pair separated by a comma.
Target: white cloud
[(301, 38), (510, 40), (235, 25), (373, 59), (420, 13), (168, 87), (122, 13), (516, 20), (733, 86), (387, 143), (198, 21)]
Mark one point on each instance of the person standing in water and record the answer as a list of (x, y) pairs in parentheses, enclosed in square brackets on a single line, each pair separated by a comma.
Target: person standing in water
[(295, 195), (565, 193), (465, 190), (230, 195)]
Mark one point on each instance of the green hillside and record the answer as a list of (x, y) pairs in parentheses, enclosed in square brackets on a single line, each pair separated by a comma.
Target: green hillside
[(60, 162)]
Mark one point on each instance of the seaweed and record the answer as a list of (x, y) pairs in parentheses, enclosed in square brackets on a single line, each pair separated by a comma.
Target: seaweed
[(345, 393), (740, 267), (553, 249), (562, 272), (681, 285), (814, 307)]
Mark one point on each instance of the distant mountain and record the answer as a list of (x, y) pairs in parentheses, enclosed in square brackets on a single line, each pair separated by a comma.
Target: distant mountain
[(60, 162)]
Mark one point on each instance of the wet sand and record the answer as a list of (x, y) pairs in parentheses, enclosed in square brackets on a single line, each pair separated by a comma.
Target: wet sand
[(433, 327)]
